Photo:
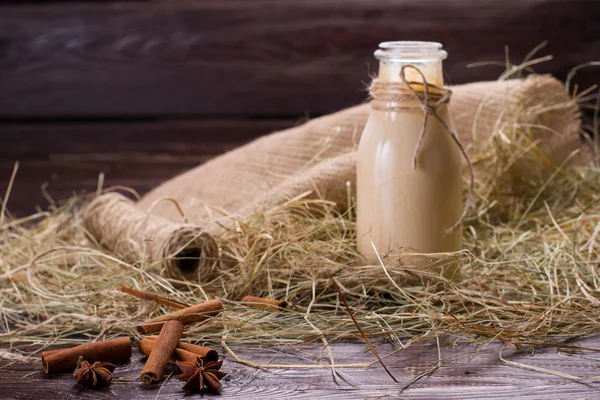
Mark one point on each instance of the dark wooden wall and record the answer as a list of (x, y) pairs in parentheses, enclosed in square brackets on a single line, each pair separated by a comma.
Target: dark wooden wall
[(143, 90)]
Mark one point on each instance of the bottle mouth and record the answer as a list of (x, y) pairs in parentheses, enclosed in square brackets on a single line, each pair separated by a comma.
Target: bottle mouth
[(411, 51)]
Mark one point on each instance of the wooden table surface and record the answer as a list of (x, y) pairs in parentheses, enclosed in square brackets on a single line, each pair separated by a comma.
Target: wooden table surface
[(467, 371)]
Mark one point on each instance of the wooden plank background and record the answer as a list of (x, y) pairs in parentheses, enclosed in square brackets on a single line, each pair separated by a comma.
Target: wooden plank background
[(143, 90), (258, 57)]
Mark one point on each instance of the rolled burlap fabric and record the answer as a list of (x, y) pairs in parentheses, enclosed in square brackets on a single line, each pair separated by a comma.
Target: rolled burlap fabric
[(180, 250), (319, 157)]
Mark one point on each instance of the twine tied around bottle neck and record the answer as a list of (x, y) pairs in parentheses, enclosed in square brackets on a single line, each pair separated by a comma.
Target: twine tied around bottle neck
[(428, 101)]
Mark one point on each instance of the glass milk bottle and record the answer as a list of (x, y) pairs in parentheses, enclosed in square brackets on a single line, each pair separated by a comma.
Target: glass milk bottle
[(404, 205)]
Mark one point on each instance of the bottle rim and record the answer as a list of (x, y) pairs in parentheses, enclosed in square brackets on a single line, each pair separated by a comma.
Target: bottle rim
[(412, 51)]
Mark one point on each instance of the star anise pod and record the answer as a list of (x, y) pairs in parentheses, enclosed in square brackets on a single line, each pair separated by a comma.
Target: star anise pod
[(93, 375), (199, 374)]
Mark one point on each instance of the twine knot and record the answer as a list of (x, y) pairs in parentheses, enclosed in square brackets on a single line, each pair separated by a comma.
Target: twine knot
[(429, 109)]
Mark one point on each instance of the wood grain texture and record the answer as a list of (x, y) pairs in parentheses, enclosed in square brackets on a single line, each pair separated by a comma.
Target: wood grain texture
[(260, 57), (467, 372), (68, 157)]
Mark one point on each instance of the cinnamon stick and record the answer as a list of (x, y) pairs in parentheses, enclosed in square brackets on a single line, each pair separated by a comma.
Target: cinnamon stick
[(208, 354), (152, 297), (48, 352), (261, 302), (147, 346), (165, 345), (199, 312), (62, 360)]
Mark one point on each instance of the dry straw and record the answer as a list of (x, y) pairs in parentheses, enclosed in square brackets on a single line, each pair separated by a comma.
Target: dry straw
[(529, 269)]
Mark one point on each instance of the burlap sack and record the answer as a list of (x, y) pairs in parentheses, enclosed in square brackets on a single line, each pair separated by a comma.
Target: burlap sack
[(316, 157), (319, 155)]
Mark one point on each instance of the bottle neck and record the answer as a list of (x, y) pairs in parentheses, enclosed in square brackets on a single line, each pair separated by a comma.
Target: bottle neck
[(389, 71)]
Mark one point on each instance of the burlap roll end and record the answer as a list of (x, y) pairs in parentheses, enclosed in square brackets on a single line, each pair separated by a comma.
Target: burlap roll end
[(178, 250)]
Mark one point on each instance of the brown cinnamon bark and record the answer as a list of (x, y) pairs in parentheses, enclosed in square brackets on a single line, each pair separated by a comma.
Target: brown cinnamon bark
[(147, 346), (261, 302), (48, 352), (199, 312), (165, 345), (153, 297), (62, 360), (208, 354)]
